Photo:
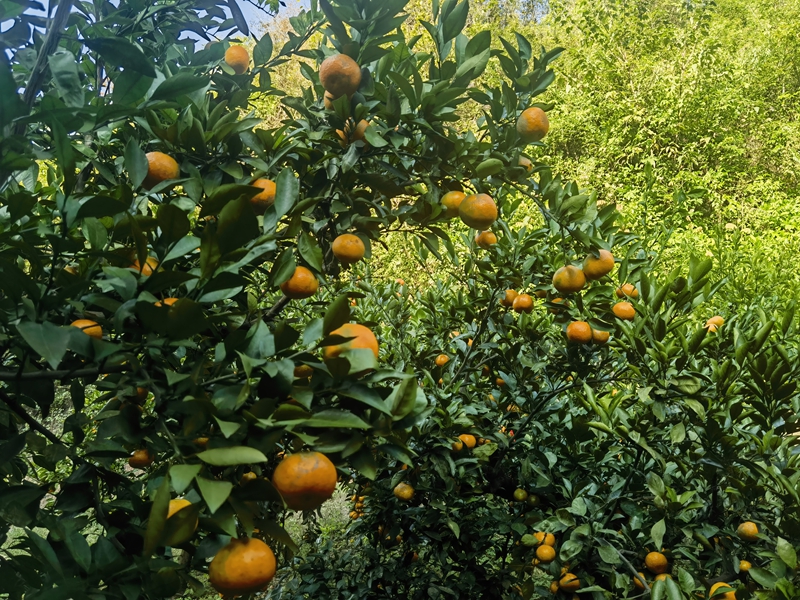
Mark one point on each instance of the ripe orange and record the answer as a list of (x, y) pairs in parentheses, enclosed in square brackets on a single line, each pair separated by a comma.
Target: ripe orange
[(468, 439), (546, 554), (663, 577), (241, 567), (403, 491), (712, 593), (627, 289), (548, 539), (523, 303), (624, 310), (140, 459), (201, 442), (340, 75), (305, 480), (569, 583), (656, 562), (348, 248), (554, 587), (533, 124), (500, 382), (714, 323), (478, 211), (569, 279), (600, 337), (160, 167), (525, 162), (579, 332), (596, 267), (166, 302), (457, 446), (638, 584), (745, 566), (362, 338), (451, 201), (486, 239), (508, 299), (141, 394), (327, 101), (302, 371), (177, 504), (237, 58), (265, 198), (747, 531), (149, 267), (442, 360), (89, 327), (302, 284), (247, 478), (557, 309)]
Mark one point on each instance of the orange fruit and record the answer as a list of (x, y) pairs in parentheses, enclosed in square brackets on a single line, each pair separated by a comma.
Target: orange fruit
[(569, 583), (141, 394), (348, 248), (486, 239), (500, 381), (149, 267), (340, 75), (569, 279), (546, 554), (140, 459), (176, 505), (508, 299), (201, 442), (71, 270), (265, 198), (745, 566), (656, 562), (89, 327), (247, 478), (160, 167), (600, 337), (663, 577), (468, 439), (548, 539), (521, 495), (451, 201), (457, 446), (627, 289), (403, 491), (478, 211), (301, 371), (558, 309), (362, 338), (302, 284), (554, 587), (523, 303), (638, 584), (533, 124), (327, 101), (595, 267), (540, 294), (747, 531), (714, 323), (166, 302), (624, 310), (579, 332), (237, 58), (305, 480), (241, 567), (525, 162), (442, 360), (712, 593)]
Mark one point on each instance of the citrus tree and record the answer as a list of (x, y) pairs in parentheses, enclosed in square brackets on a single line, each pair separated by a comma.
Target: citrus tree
[(189, 281)]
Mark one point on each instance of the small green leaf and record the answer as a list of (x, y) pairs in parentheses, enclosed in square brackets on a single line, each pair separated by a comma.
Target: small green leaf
[(79, 549), (215, 493), (119, 52), (310, 251), (157, 519), (786, 552), (233, 455), (287, 190), (262, 51), (181, 526), (65, 77), (608, 554), (657, 533), (179, 85), (48, 340), (338, 314), (182, 476)]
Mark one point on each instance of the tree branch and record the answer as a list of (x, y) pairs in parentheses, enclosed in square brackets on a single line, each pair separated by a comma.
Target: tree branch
[(276, 309), (63, 374), (16, 407)]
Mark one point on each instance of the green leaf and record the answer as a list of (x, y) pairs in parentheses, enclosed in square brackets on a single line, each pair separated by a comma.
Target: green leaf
[(79, 549), (763, 577), (46, 550), (287, 190), (48, 340), (657, 533), (157, 519), (179, 85), (182, 476), (366, 395), (673, 591), (215, 493), (364, 462), (310, 251), (181, 526), (279, 534), (338, 314), (221, 196), (101, 206), (236, 226), (119, 52), (786, 552), (173, 222), (65, 153), (65, 77), (238, 17), (455, 21), (135, 162), (233, 455), (608, 555), (330, 418), (403, 398), (454, 528), (262, 51), (11, 105), (374, 137)]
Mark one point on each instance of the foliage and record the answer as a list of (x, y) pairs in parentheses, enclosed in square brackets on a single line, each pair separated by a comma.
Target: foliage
[(669, 435)]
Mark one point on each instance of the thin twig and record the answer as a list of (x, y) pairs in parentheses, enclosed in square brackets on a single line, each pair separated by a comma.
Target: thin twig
[(276, 308), (62, 374), (17, 408)]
